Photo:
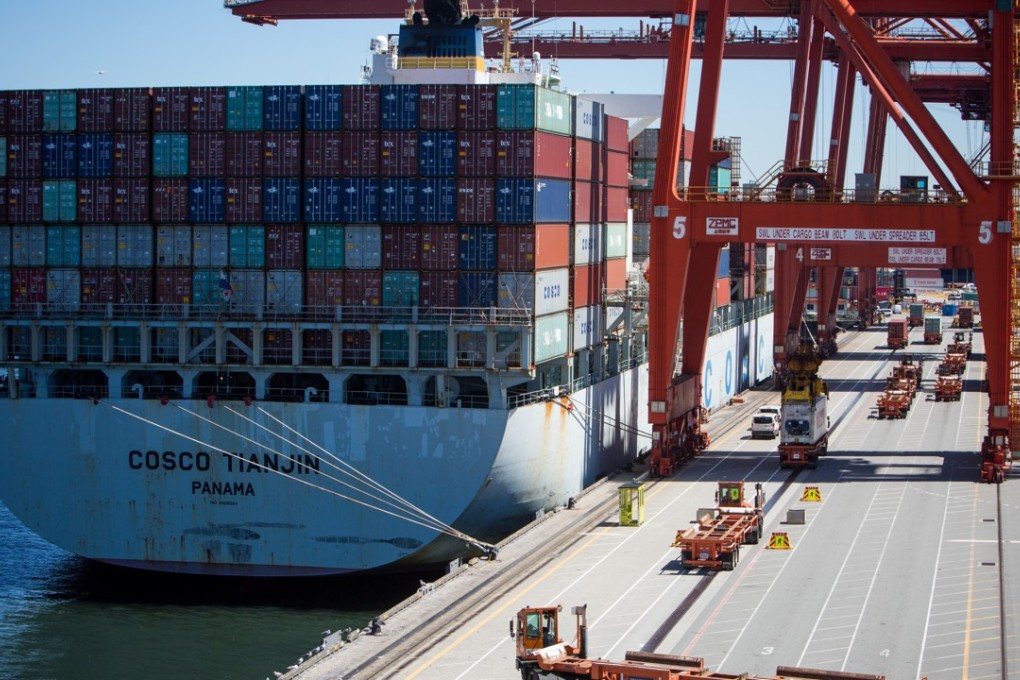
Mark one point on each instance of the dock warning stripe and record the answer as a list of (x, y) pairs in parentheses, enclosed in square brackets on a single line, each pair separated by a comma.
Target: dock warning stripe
[(811, 493), (779, 541)]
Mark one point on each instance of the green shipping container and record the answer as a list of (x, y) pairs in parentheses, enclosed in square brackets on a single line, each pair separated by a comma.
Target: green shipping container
[(400, 289), (932, 324), (916, 311), (244, 108), (614, 239), (719, 178), (248, 245), (325, 246), (551, 336), (970, 296), (529, 107), (60, 110), (169, 155), (90, 343), (60, 200), (3, 156), (63, 246), (394, 348), (432, 349)]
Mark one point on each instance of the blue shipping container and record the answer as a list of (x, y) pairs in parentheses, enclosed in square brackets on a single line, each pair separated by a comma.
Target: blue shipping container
[(437, 200), (169, 155), (5, 289), (281, 199), (322, 199), (399, 200), (476, 289), (207, 199), (724, 264), (59, 156), (399, 107), (60, 200), (281, 106), (359, 200), (531, 201), (63, 246), (323, 107), (437, 154), (477, 246), (95, 155)]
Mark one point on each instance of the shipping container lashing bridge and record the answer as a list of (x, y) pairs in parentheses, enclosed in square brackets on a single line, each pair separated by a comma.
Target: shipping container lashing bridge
[(968, 220)]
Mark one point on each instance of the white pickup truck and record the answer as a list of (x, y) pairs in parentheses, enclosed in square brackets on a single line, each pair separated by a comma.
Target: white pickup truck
[(766, 423)]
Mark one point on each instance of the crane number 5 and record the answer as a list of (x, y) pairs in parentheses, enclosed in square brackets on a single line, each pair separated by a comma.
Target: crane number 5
[(985, 233), (680, 227)]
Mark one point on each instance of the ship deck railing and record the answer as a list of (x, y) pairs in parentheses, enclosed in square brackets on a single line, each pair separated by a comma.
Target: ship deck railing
[(577, 384)]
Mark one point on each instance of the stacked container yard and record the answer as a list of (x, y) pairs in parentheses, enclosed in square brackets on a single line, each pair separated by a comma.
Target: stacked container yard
[(279, 201)]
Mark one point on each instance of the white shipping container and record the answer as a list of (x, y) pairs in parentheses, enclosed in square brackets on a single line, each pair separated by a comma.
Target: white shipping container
[(211, 246), (770, 280), (28, 246), (586, 328), (586, 247), (363, 247), (588, 119), (283, 291), (249, 291), (612, 314), (134, 245), (5, 246), (63, 289), (98, 245), (615, 240), (551, 336), (173, 246), (770, 257), (544, 292), (804, 422)]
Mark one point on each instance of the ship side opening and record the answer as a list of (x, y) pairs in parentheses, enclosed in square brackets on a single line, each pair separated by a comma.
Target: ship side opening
[(153, 384), (225, 384), (298, 387), (79, 383), (375, 388)]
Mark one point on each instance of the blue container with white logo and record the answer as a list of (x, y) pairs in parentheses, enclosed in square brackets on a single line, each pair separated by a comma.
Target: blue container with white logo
[(399, 200), (281, 199), (532, 201), (59, 156), (95, 155), (437, 200), (476, 247), (322, 199), (359, 200), (281, 107), (476, 289), (323, 107), (437, 154), (207, 199), (399, 107)]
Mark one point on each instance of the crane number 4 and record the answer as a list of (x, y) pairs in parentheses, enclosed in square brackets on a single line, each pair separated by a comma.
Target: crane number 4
[(680, 227)]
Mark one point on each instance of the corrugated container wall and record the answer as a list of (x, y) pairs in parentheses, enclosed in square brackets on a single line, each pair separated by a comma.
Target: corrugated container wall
[(476, 107), (244, 108), (323, 107), (438, 107), (281, 107), (325, 246), (551, 336), (398, 107), (60, 111), (95, 110)]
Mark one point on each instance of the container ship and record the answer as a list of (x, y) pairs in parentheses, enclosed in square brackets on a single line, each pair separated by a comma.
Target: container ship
[(306, 330)]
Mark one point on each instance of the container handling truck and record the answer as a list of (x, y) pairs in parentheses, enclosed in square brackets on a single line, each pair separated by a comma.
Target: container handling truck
[(897, 335), (805, 433), (715, 541)]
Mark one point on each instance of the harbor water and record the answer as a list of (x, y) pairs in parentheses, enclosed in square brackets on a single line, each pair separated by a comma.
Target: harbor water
[(66, 618)]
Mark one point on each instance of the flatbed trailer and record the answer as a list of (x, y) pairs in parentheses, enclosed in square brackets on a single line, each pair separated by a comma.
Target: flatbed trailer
[(894, 404), (715, 541), (948, 388), (954, 363)]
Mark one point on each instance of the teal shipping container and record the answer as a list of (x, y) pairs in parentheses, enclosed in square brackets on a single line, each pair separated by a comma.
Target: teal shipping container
[(432, 349), (529, 107), (60, 111), (394, 348), (90, 343), (916, 311), (615, 239), (325, 246), (3, 156), (969, 296), (63, 246), (244, 108), (126, 343), (205, 288), (169, 155), (720, 178), (400, 289), (60, 200), (551, 336), (5, 289), (248, 245), (932, 324)]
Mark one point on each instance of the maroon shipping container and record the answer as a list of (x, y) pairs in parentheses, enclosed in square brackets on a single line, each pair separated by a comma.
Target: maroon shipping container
[(616, 134), (438, 289), (285, 246), (208, 109), (131, 107), (616, 169), (616, 274), (356, 348), (586, 285), (244, 154), (207, 154), (398, 153), (401, 246), (317, 347), (476, 200), (363, 287), (3, 114), (476, 153), (525, 153), (360, 154), (24, 156), (476, 107), (134, 286), (244, 199), (28, 287), (437, 107), (361, 107), (131, 155), (24, 200), (322, 154), (439, 245), (588, 165), (3, 200), (95, 200), (173, 286), (169, 199), (282, 153), (95, 110), (99, 286), (130, 200), (532, 247), (641, 202), (587, 202), (324, 289), (615, 206), (170, 109), (24, 110)]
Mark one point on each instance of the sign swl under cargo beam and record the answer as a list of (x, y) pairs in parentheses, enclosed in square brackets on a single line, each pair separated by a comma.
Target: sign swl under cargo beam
[(917, 255), (869, 235)]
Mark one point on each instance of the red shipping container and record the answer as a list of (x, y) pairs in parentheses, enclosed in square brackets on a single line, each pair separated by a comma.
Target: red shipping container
[(24, 110), (3, 200), (24, 200), (587, 160), (244, 154), (169, 199), (208, 109), (95, 110), (587, 202), (244, 199), (130, 199), (476, 107), (322, 154), (616, 204), (437, 107), (533, 247), (285, 246), (616, 134), (360, 154), (586, 285), (173, 286), (282, 154), (438, 247), (476, 200), (641, 202), (401, 246), (438, 289), (363, 287), (24, 156), (617, 169), (99, 286), (476, 153), (324, 289), (131, 155), (616, 274), (95, 200), (722, 292), (28, 287), (170, 109), (525, 153), (134, 287), (398, 153), (361, 107), (207, 154), (131, 107)]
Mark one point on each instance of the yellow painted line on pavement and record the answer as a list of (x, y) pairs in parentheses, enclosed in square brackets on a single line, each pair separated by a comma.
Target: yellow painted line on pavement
[(970, 595)]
